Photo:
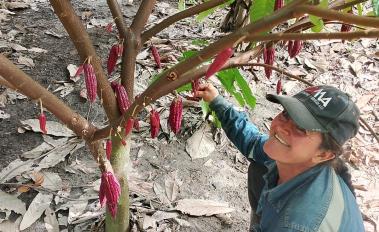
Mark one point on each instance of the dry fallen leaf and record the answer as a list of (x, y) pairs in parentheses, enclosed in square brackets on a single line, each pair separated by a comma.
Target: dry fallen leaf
[(199, 207), (26, 61), (38, 178), (39, 204), (51, 222), (23, 189)]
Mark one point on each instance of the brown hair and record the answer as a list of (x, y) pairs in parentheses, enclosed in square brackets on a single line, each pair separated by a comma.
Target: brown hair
[(339, 166)]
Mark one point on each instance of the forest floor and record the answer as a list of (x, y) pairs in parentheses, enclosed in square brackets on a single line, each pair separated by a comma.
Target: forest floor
[(164, 171)]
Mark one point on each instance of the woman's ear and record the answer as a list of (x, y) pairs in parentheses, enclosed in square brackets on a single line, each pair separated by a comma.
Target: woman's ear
[(323, 156)]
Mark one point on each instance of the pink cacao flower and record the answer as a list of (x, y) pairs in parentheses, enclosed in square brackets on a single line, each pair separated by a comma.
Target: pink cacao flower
[(110, 191)]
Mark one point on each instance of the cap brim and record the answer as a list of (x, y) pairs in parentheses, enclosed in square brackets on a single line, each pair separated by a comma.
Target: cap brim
[(298, 112)]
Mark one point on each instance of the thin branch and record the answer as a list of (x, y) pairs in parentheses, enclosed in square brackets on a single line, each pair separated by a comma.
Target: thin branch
[(117, 17), (305, 23), (348, 4), (5, 83), (281, 71), (83, 44), (143, 13), (337, 15), (370, 33), (369, 128), (30, 88), (179, 16)]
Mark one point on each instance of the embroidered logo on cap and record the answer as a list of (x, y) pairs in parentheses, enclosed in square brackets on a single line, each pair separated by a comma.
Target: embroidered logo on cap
[(318, 96)]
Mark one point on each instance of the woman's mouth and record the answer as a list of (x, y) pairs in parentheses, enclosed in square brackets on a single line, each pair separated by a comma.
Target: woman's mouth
[(281, 140)]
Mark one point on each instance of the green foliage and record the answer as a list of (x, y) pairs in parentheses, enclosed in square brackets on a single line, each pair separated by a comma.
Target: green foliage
[(206, 111), (375, 5), (360, 9), (186, 55), (243, 94), (317, 21), (200, 42), (260, 9), (200, 17)]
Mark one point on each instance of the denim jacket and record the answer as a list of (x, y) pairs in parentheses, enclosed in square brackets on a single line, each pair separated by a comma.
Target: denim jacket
[(315, 200)]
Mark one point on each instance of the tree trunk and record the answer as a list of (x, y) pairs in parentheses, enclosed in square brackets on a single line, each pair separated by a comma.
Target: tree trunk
[(121, 164)]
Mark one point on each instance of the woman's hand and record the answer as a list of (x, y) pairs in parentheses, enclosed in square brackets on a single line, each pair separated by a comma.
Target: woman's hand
[(207, 91)]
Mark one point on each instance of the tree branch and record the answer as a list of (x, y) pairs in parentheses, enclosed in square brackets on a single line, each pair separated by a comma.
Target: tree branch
[(179, 16), (370, 33), (336, 15), (348, 4), (129, 58), (117, 17), (142, 16), (5, 83), (30, 88), (168, 80), (83, 44)]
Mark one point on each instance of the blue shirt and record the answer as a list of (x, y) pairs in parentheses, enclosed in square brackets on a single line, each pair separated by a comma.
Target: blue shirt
[(315, 200)]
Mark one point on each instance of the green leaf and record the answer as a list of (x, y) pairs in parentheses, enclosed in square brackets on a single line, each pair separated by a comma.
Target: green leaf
[(375, 5), (205, 108), (200, 42), (184, 88), (201, 16), (243, 95), (260, 9), (317, 22), (216, 121), (360, 9), (181, 5), (245, 89), (188, 54)]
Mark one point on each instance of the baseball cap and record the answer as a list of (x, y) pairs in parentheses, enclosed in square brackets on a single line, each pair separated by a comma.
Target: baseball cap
[(323, 108)]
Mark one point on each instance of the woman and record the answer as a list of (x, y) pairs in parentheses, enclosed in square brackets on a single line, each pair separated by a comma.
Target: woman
[(296, 181)]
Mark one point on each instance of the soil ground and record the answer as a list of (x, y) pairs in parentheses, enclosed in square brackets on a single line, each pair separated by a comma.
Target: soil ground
[(222, 175)]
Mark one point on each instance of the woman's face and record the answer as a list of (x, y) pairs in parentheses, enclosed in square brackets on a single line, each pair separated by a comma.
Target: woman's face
[(291, 145)]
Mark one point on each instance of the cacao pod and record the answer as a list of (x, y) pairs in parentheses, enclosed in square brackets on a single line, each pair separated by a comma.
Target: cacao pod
[(296, 48), (279, 86), (268, 57), (122, 98), (195, 85), (154, 123), (176, 114), (129, 126), (278, 4), (112, 58), (91, 82), (108, 148), (218, 62), (42, 123), (156, 56)]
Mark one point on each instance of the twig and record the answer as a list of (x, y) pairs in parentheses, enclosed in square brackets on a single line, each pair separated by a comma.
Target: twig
[(117, 17), (370, 33), (274, 68), (336, 15), (369, 128), (179, 16)]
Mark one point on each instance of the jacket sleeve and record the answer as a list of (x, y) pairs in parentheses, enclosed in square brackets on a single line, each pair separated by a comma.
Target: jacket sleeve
[(243, 134)]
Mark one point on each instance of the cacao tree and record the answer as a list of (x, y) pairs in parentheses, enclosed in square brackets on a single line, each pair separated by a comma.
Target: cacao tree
[(117, 99)]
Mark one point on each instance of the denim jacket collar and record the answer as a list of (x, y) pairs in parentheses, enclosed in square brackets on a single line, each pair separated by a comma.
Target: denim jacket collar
[(278, 195)]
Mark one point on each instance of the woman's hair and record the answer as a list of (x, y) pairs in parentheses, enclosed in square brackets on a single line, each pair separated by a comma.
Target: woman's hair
[(339, 166)]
